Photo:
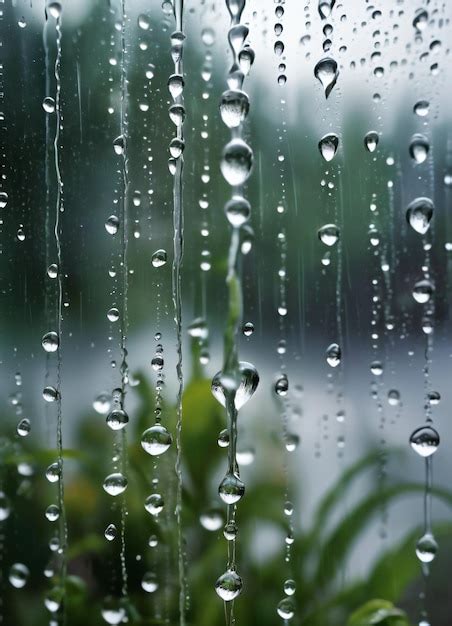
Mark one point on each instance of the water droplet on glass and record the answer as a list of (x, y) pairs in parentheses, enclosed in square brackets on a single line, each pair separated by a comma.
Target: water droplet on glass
[(55, 9), (328, 146), (48, 104), (326, 72), (425, 441), (143, 22), (50, 394), (371, 140), (421, 108), (236, 162), (50, 342), (237, 210), (3, 199), (18, 575), (333, 355), (419, 147), (115, 484), (376, 368), (112, 225), (245, 386), (420, 20), (393, 397), (229, 585), (419, 214), (325, 7), (156, 440), (159, 258), (208, 36), (423, 291), (282, 385), (231, 488), (119, 145), (329, 234)]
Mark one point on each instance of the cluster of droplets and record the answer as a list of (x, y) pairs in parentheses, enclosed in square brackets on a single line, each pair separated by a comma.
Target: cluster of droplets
[(237, 381)]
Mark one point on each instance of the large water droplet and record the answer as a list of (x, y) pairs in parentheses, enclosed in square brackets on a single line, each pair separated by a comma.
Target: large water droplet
[(371, 140), (229, 585), (18, 575), (238, 211), (286, 608), (156, 440), (325, 7), (149, 582), (231, 489), (328, 146), (154, 504), (422, 291), (419, 147), (326, 72), (426, 548), (421, 108), (234, 107), (328, 234), (117, 419), (112, 225), (419, 214), (112, 611), (23, 428), (420, 20), (425, 441), (333, 355), (236, 162), (247, 385), (159, 258), (119, 145), (115, 484), (50, 342)]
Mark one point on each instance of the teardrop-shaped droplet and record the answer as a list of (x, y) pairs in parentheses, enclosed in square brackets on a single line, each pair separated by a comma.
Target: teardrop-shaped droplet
[(420, 20), (419, 213), (249, 380), (156, 440), (110, 532), (236, 162), (286, 608), (112, 225), (246, 59), (238, 211), (119, 145), (55, 9), (234, 107), (333, 355), (176, 85), (23, 428), (18, 575), (229, 586), (328, 234), (426, 548), (154, 504), (117, 419), (325, 7), (326, 72), (115, 484), (371, 140), (422, 291), (236, 37), (419, 148), (425, 440), (231, 488), (328, 146), (282, 385)]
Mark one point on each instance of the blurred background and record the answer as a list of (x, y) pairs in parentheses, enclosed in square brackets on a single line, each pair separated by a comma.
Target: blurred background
[(334, 445)]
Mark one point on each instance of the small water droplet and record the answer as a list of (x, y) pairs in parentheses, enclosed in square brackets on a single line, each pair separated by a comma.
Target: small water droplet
[(119, 145), (237, 210), (423, 291), (149, 582), (211, 520), (371, 140), (112, 225), (159, 258), (115, 484), (421, 108), (48, 104), (329, 234), (333, 355), (18, 575), (117, 419), (426, 548), (286, 608), (282, 385), (245, 386), (50, 342), (154, 504), (236, 162), (52, 513), (229, 585), (419, 148), (419, 213), (327, 73), (328, 146)]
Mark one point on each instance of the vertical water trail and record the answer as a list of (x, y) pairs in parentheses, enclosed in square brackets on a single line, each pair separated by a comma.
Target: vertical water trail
[(177, 114), (125, 278), (55, 11), (237, 381)]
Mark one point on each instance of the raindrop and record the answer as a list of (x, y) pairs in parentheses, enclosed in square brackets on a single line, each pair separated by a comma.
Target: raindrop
[(420, 20), (55, 9), (159, 258), (393, 397), (223, 438), (229, 586), (236, 162), (154, 504), (238, 211), (112, 225), (50, 394), (286, 609), (110, 532), (333, 355), (102, 403), (282, 385), (328, 234), (211, 520), (289, 587), (198, 328), (53, 472), (419, 147), (50, 342), (119, 145), (234, 107), (113, 314), (230, 531), (325, 8), (423, 291), (18, 575), (143, 22), (434, 398), (52, 513), (247, 385), (326, 72), (328, 146), (115, 484), (156, 440), (149, 582), (48, 104), (425, 440), (52, 270), (3, 199), (426, 548), (231, 488), (248, 329), (421, 108), (23, 428), (208, 36), (371, 140), (117, 419), (376, 368), (419, 214)]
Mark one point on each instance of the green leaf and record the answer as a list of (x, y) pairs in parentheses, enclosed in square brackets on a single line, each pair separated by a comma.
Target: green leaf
[(378, 613)]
